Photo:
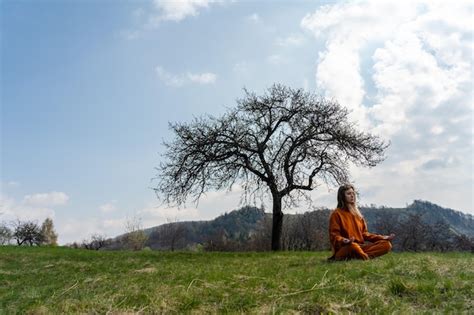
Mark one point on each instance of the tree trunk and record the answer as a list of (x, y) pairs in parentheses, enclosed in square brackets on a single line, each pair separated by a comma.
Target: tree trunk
[(277, 223)]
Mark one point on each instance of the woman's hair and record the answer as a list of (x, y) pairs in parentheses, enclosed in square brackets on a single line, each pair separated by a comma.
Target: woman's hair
[(341, 200)]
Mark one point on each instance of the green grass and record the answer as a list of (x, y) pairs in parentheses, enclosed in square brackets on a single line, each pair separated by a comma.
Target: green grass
[(62, 280)]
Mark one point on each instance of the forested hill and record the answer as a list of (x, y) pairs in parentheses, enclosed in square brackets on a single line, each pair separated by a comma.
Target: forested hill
[(237, 225), (430, 213), (250, 228)]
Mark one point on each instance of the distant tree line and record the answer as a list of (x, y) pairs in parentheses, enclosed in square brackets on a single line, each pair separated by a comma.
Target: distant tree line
[(309, 231), (414, 234), (95, 242), (419, 227), (133, 239), (306, 231), (28, 233)]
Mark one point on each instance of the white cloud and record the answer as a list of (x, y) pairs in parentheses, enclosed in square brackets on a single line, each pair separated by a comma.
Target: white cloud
[(108, 207), (68, 229), (347, 28), (75, 229), (156, 12), (203, 78), (168, 78), (409, 58), (176, 11), (111, 222), (174, 80), (404, 69), (53, 198), (10, 210), (153, 215), (117, 224), (6, 205)]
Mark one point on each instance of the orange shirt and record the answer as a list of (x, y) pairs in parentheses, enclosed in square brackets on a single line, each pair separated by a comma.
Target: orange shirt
[(343, 224)]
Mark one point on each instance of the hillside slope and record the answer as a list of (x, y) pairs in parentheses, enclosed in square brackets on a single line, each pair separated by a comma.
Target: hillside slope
[(41, 280)]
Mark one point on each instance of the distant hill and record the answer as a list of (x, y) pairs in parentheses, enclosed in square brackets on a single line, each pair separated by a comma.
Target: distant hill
[(460, 223), (244, 225), (235, 225)]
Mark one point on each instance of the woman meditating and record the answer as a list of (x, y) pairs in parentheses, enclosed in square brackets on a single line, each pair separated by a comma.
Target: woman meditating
[(348, 230)]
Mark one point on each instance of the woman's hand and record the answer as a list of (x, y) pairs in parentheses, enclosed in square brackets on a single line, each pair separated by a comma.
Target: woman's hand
[(348, 240), (390, 237)]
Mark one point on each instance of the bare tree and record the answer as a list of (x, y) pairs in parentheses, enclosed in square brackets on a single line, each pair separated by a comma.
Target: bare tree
[(170, 235), (27, 232), (464, 243), (86, 244), (96, 242), (307, 231), (292, 235), (388, 223), (320, 220), (218, 241), (412, 233), (135, 238), (314, 229), (439, 236), (279, 144), (74, 245), (260, 240)]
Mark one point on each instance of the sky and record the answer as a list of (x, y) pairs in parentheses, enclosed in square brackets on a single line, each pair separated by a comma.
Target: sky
[(88, 89)]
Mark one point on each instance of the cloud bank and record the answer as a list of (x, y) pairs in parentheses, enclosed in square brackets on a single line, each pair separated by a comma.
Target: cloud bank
[(53, 198), (404, 70), (35, 207)]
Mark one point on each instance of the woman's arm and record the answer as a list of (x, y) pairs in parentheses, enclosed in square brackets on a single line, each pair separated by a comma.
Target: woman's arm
[(370, 236), (336, 238)]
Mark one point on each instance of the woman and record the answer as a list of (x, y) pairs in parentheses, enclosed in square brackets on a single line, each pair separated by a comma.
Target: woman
[(348, 230)]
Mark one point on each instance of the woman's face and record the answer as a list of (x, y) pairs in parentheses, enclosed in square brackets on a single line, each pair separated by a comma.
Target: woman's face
[(350, 196)]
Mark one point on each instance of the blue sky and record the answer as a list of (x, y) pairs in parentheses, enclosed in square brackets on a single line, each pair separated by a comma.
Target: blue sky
[(88, 89)]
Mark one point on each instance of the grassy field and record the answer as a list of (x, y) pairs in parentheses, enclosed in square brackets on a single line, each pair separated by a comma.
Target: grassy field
[(62, 280)]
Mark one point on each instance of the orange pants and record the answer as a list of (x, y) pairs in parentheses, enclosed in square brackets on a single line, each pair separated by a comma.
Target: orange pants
[(364, 252)]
